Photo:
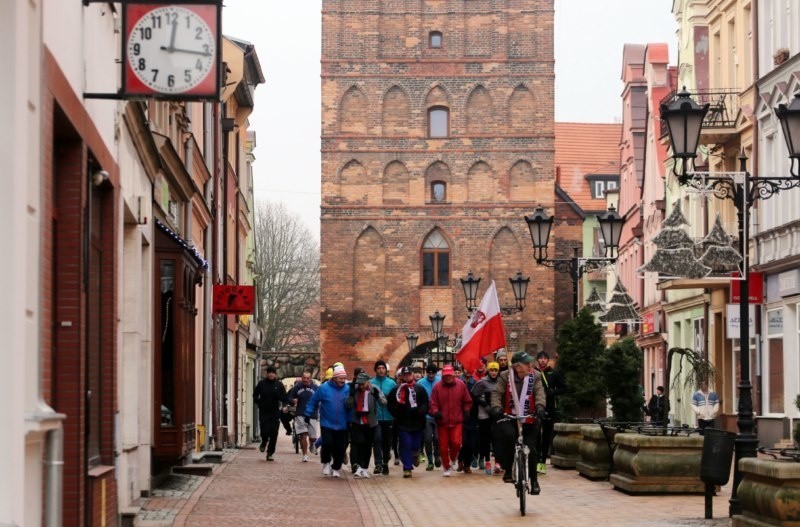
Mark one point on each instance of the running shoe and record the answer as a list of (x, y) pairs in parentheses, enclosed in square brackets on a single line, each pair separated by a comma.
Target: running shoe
[(357, 474), (541, 468), (430, 467), (364, 473), (270, 457), (437, 461), (446, 473), (337, 474), (416, 460), (262, 447), (474, 463), (326, 469), (406, 473), (378, 469), (535, 489), (305, 459)]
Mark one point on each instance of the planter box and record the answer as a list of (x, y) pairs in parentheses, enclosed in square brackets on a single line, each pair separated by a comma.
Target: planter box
[(566, 443), (769, 493), (657, 464), (595, 462)]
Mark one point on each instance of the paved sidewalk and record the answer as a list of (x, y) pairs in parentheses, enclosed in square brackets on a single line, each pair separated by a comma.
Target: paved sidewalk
[(249, 491)]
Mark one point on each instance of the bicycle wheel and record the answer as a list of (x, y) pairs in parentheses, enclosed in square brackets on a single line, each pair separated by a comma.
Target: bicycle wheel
[(522, 492)]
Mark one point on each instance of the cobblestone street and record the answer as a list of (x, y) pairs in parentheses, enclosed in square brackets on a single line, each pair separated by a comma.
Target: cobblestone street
[(247, 491)]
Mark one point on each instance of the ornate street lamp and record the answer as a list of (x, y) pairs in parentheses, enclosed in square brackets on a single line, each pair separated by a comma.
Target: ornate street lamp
[(437, 323), (411, 340), (540, 225), (684, 127), (519, 285), (684, 119), (470, 285)]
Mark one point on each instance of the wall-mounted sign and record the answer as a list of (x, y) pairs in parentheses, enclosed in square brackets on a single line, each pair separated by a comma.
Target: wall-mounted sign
[(775, 322), (649, 323), (789, 283), (171, 49), (732, 318), (234, 299), (755, 286)]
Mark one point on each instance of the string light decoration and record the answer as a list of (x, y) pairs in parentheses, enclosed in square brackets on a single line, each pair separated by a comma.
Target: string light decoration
[(620, 307), (594, 304), (674, 256), (718, 252)]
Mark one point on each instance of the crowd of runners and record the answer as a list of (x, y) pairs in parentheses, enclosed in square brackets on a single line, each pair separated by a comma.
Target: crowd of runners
[(422, 419)]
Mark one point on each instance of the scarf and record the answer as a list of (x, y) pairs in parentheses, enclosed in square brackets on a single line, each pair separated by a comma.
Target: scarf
[(407, 391), (521, 407), (362, 407)]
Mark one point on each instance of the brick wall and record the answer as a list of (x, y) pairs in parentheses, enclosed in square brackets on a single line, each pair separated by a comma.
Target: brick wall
[(494, 75)]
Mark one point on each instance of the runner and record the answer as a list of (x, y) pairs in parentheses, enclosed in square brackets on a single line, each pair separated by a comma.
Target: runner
[(299, 396)]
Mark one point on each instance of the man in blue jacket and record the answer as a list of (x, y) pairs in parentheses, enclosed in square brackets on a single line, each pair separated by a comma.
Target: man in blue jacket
[(430, 438), (329, 400), (384, 438)]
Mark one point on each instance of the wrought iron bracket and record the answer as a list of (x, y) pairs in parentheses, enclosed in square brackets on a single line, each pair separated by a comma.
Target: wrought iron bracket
[(577, 266)]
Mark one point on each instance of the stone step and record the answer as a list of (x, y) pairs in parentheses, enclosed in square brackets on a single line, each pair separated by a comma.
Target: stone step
[(194, 469), (207, 457)]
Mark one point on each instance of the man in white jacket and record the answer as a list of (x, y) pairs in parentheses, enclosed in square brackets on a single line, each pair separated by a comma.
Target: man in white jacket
[(705, 404)]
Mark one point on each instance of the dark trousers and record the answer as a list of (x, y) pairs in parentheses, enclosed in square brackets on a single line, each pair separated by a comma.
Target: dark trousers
[(384, 439), (485, 438), (504, 437), (270, 424), (469, 445), (410, 442), (431, 440), (361, 443), (334, 443), (702, 424), (286, 421), (545, 440)]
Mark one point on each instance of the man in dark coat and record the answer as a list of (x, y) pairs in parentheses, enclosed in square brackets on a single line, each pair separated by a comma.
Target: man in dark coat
[(554, 386), (270, 396), (408, 404), (658, 408)]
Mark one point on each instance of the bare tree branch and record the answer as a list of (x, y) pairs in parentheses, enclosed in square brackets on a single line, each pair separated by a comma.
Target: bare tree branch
[(287, 278)]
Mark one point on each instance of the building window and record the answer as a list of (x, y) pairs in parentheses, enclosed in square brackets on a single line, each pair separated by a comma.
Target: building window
[(438, 191), (438, 122), (435, 261), (435, 39)]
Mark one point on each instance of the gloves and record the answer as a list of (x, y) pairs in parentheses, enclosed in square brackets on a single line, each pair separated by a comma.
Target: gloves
[(438, 416), (540, 413), (307, 419), (495, 411)]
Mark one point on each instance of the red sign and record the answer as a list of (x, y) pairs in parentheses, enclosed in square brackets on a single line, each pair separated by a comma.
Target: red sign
[(755, 283), (234, 299), (649, 323)]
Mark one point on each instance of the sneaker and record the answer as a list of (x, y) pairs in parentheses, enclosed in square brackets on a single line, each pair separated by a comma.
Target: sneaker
[(416, 460), (437, 461), (354, 468), (474, 463), (423, 459), (385, 470), (488, 469), (459, 466), (326, 469), (378, 469), (357, 474), (446, 473), (364, 473), (305, 459), (467, 470), (270, 457), (261, 448), (406, 473), (535, 489), (541, 468), (337, 474), (430, 467), (508, 477)]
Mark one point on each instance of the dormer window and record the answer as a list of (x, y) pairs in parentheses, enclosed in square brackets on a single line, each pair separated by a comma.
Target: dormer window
[(435, 39)]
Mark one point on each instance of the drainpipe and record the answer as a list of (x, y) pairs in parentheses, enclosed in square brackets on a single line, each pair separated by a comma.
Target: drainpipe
[(54, 477), (210, 156), (188, 153)]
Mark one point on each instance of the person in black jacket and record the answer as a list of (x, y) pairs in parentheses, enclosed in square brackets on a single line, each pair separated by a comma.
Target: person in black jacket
[(554, 386), (270, 396), (658, 408), (408, 404)]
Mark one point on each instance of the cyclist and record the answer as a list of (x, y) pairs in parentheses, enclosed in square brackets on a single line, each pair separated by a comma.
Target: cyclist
[(518, 391)]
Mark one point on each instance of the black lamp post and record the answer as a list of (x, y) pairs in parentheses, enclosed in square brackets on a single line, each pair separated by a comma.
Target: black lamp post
[(684, 119), (519, 285), (540, 225), (411, 340), (437, 323)]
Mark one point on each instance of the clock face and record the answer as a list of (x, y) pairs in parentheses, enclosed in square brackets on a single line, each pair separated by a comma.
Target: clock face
[(171, 49)]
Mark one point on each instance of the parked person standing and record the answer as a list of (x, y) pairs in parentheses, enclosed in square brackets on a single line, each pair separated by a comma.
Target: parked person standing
[(270, 396), (429, 437), (329, 400), (519, 392), (554, 386), (299, 396), (482, 395), (408, 404), (705, 405), (364, 404), (502, 359), (450, 402), (384, 437), (658, 408)]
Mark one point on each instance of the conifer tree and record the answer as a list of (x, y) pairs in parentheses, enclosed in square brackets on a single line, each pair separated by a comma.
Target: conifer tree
[(580, 348)]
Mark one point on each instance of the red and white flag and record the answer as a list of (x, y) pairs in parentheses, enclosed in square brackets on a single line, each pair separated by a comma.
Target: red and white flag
[(483, 333)]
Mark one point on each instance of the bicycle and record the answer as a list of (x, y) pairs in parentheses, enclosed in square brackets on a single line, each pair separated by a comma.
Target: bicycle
[(519, 469)]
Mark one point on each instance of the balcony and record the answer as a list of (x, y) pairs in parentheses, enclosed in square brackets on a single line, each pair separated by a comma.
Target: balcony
[(719, 125)]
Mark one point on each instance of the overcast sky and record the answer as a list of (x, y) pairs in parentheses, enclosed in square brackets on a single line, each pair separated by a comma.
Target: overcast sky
[(589, 35)]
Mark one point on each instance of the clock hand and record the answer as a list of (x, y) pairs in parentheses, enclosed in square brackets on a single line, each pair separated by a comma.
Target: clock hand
[(191, 51), (172, 36)]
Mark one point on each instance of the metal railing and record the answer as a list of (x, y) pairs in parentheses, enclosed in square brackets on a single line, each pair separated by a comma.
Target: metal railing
[(723, 107)]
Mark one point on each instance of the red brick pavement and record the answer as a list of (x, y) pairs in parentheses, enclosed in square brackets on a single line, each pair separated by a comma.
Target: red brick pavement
[(251, 491)]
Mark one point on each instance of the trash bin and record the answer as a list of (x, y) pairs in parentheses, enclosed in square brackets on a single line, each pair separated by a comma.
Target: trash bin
[(715, 463)]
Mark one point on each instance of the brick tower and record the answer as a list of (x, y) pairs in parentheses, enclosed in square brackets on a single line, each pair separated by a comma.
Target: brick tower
[(437, 138)]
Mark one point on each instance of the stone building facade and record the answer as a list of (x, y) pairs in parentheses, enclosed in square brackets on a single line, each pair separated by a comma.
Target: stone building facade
[(437, 138)]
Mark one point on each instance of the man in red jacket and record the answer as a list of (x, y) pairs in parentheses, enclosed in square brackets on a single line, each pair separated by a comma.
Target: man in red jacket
[(450, 402)]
